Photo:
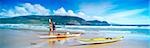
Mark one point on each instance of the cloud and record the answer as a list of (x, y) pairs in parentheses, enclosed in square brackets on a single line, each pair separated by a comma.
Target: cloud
[(141, 19), (112, 13), (62, 11), (70, 12), (127, 17), (126, 13), (26, 9), (102, 12), (122, 17), (81, 14)]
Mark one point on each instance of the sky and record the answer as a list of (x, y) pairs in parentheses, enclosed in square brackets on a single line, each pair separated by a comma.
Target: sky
[(112, 11)]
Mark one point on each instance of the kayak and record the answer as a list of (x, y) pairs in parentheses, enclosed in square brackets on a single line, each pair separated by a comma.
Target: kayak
[(99, 40), (53, 34), (59, 35)]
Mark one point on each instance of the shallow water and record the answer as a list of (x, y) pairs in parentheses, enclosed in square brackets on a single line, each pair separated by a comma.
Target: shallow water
[(18, 38)]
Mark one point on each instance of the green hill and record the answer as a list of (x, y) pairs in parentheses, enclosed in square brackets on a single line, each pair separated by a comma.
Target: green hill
[(59, 20), (34, 19)]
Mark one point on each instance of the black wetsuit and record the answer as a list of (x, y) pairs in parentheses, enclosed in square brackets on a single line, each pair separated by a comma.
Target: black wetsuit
[(54, 27)]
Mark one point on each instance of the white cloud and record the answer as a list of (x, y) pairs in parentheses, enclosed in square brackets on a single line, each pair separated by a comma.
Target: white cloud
[(26, 9), (81, 14), (41, 10), (70, 12), (87, 11), (20, 11), (62, 11)]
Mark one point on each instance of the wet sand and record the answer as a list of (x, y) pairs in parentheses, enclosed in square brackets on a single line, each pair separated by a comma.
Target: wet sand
[(30, 39)]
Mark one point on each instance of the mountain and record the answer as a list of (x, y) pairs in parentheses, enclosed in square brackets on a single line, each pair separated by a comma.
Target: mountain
[(97, 23), (36, 19), (58, 19)]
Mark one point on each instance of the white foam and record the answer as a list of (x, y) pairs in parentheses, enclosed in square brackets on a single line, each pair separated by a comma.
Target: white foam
[(129, 27), (24, 26)]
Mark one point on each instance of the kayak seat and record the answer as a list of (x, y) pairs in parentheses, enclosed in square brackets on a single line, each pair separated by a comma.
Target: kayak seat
[(108, 38)]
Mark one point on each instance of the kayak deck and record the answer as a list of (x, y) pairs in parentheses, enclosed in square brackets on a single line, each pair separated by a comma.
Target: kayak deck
[(99, 40)]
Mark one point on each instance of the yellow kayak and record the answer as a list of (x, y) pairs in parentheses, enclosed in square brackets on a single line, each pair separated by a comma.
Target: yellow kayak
[(99, 40)]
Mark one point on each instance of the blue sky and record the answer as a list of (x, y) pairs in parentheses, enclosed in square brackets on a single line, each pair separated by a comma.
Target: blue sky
[(113, 11)]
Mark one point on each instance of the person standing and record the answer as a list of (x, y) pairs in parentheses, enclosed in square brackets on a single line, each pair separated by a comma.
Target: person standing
[(52, 27)]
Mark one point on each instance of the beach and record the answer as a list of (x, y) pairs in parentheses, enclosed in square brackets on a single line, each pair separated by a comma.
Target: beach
[(74, 24), (20, 38)]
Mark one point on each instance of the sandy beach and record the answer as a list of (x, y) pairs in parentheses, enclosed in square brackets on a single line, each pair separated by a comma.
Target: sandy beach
[(30, 39)]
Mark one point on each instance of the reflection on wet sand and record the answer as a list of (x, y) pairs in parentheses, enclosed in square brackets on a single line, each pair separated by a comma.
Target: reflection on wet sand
[(53, 42), (49, 43)]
